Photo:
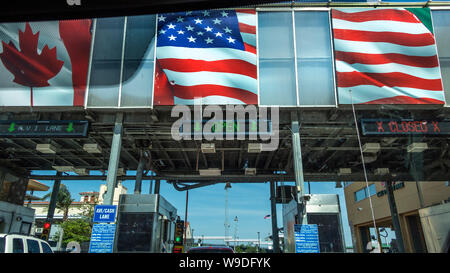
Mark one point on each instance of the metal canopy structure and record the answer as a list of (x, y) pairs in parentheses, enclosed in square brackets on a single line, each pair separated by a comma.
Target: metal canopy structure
[(328, 144)]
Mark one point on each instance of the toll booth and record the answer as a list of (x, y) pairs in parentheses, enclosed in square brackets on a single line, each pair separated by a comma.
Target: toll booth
[(145, 223), (322, 210)]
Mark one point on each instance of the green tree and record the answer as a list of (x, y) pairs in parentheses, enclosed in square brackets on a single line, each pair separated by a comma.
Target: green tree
[(78, 230), (63, 200)]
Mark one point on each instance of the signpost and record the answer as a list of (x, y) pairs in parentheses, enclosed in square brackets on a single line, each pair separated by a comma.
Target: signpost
[(103, 231), (43, 128), (306, 238)]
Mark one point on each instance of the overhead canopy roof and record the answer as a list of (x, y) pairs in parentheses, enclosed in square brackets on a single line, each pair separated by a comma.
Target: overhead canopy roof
[(328, 139)]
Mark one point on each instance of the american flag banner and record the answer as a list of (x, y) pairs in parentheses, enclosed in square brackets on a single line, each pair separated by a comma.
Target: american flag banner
[(206, 57), (386, 56)]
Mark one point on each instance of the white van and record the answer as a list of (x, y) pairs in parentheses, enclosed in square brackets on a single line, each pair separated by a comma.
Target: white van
[(19, 243)]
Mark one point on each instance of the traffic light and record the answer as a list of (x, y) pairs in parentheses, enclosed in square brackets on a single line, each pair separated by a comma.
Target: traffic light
[(46, 231), (179, 230)]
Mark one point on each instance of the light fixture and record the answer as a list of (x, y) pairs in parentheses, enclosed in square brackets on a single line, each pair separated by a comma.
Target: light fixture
[(46, 148), (250, 171), (254, 147), (417, 147), (121, 172), (381, 171), (371, 147), (208, 148), (64, 169), (210, 172), (81, 171), (344, 171), (92, 148)]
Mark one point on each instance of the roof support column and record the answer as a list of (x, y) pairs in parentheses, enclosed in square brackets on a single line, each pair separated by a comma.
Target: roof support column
[(114, 157), (298, 168), (139, 173)]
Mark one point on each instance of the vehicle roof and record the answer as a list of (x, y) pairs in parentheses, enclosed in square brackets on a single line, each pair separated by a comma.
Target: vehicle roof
[(215, 247), (21, 235)]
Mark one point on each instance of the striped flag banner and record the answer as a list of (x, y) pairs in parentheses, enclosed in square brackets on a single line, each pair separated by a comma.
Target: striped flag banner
[(386, 56), (206, 57)]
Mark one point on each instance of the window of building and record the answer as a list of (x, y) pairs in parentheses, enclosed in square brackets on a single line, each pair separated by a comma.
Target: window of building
[(105, 73), (314, 58), (17, 245), (441, 24), (276, 59), (364, 193), (138, 63), (33, 246)]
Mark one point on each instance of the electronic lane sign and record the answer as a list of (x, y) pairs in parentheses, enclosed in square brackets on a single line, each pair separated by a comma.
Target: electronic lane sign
[(404, 127), (43, 128), (306, 239)]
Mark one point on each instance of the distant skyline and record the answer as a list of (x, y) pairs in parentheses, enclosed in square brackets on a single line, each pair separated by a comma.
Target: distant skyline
[(249, 202)]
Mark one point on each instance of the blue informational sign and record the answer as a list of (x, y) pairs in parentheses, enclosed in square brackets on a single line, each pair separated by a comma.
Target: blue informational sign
[(306, 239), (105, 213), (102, 238)]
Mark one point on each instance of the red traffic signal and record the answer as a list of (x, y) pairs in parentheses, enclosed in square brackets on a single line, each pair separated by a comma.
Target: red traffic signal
[(47, 225), (46, 231)]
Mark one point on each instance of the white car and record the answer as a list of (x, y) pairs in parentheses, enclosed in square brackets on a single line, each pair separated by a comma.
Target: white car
[(19, 243)]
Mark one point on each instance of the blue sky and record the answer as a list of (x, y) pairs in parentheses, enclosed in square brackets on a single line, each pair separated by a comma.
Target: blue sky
[(206, 207)]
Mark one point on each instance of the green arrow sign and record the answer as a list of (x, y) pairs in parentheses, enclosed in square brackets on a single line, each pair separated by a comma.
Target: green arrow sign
[(12, 127), (70, 127)]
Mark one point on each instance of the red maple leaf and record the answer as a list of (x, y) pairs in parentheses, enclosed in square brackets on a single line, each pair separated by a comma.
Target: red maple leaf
[(28, 66)]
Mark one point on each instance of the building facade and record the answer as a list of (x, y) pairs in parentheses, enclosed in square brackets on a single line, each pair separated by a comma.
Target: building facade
[(410, 198)]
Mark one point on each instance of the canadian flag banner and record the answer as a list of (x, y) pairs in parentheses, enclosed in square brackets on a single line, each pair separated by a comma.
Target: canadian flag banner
[(44, 63)]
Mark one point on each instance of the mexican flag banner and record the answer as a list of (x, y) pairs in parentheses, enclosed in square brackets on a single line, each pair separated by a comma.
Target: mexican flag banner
[(44, 63), (386, 56)]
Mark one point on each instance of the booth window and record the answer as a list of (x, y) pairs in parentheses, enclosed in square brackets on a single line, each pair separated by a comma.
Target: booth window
[(276, 59), (314, 58), (441, 23)]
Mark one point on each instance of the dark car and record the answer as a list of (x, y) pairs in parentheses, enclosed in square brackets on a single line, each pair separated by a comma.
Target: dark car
[(210, 249)]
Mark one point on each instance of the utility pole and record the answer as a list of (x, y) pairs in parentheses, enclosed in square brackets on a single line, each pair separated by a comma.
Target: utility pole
[(394, 214), (226, 222), (185, 219), (273, 207)]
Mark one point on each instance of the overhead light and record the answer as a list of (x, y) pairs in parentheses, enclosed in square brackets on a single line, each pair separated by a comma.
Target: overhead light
[(46, 148), (81, 171), (417, 147), (208, 148), (64, 169), (210, 172), (250, 171), (254, 147), (92, 148), (121, 172), (344, 171), (381, 171), (371, 147)]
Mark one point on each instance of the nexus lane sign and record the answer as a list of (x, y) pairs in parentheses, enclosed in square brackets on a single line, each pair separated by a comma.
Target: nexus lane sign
[(43, 128)]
